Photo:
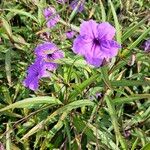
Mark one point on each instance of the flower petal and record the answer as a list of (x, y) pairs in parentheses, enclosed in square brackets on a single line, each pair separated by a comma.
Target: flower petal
[(51, 66), (94, 61), (41, 49), (31, 82), (89, 29), (106, 31), (109, 48), (58, 54), (34, 84), (81, 45)]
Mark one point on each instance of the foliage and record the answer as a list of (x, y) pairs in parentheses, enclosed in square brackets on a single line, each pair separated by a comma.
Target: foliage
[(65, 112)]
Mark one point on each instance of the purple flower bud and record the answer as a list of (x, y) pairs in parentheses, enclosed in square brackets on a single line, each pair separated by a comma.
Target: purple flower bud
[(70, 34), (146, 46), (51, 17), (75, 4)]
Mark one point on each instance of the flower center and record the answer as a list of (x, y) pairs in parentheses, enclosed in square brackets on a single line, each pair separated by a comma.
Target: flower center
[(96, 41), (49, 56)]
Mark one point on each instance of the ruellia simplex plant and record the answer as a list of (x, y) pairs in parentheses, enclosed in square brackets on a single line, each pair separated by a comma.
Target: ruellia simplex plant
[(75, 75)]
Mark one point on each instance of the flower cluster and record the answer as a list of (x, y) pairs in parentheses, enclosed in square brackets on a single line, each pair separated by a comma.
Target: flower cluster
[(95, 43), (46, 54)]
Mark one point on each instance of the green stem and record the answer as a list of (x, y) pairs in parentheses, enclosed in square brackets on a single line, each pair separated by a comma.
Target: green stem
[(73, 27)]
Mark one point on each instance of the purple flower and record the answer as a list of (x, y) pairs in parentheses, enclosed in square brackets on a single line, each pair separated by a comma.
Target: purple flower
[(79, 4), (95, 42), (146, 46), (48, 52), (70, 34), (51, 17), (98, 95), (35, 72)]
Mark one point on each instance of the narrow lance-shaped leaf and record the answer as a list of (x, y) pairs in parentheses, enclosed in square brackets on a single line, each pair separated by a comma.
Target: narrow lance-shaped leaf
[(103, 13), (22, 12), (113, 116), (8, 66), (7, 27), (117, 25), (67, 108), (79, 88), (32, 101), (132, 29), (105, 76), (131, 98), (135, 43)]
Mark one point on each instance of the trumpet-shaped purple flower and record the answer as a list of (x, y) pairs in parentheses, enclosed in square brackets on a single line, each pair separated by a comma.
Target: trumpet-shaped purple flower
[(75, 3), (48, 52), (35, 72), (95, 42), (51, 17)]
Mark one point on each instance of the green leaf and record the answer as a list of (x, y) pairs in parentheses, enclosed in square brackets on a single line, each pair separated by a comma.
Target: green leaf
[(82, 127), (131, 30), (146, 147), (140, 38), (122, 83), (57, 127), (92, 132), (7, 97), (117, 25), (129, 99), (7, 27), (103, 13), (73, 27), (32, 101), (79, 88), (105, 76), (22, 12), (78, 62), (8, 66), (112, 112), (50, 119)]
